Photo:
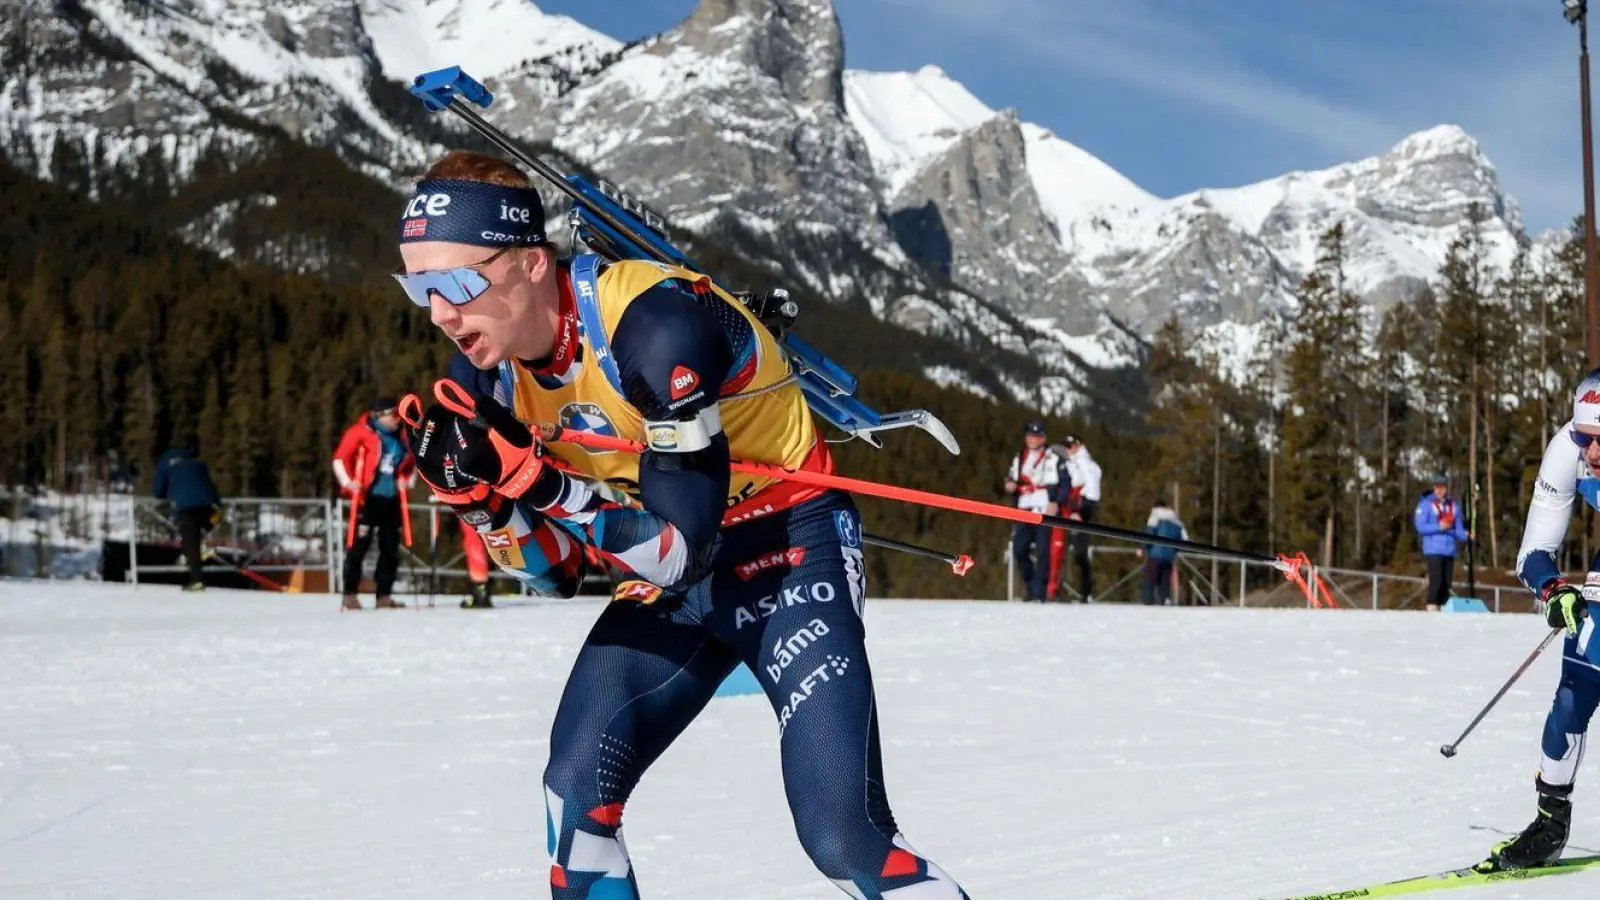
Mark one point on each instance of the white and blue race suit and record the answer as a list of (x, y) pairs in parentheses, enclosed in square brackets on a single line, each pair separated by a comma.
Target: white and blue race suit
[(1563, 477)]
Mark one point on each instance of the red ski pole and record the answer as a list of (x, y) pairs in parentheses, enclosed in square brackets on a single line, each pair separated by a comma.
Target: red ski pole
[(926, 498), (355, 501)]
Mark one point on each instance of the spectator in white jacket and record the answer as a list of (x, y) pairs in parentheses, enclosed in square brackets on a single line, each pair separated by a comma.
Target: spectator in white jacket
[(1032, 481)]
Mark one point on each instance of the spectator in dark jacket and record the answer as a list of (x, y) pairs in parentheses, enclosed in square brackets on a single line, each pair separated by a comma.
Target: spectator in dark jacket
[(1441, 524), (184, 481), (1158, 560), (374, 467), (1076, 496)]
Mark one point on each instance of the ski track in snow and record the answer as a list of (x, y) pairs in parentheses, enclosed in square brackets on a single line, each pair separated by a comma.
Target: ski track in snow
[(238, 746)]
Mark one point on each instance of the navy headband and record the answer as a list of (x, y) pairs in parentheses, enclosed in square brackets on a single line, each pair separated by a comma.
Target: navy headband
[(472, 212)]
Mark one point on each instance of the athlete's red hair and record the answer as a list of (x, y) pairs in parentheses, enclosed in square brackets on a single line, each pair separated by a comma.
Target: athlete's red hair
[(467, 165)]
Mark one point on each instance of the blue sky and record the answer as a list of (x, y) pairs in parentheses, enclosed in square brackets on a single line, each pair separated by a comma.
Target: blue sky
[(1182, 94)]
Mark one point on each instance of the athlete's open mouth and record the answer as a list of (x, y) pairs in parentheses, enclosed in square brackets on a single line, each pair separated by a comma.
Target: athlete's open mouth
[(467, 341)]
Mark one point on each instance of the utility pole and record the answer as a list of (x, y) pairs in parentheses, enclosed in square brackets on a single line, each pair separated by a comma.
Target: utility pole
[(1577, 13)]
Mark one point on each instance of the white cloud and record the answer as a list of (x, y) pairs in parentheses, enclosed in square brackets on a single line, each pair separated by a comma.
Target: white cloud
[(1150, 48)]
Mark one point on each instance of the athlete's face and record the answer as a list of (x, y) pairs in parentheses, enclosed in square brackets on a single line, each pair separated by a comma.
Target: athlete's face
[(1033, 441), (514, 318), (1591, 453)]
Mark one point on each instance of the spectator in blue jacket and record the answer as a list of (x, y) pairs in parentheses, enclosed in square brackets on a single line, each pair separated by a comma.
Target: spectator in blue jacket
[(184, 481), (1441, 525), (1158, 560)]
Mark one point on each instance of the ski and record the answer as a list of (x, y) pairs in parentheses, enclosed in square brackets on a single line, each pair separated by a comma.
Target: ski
[(1455, 878)]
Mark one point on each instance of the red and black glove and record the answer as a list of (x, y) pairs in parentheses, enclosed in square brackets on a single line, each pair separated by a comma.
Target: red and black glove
[(468, 448)]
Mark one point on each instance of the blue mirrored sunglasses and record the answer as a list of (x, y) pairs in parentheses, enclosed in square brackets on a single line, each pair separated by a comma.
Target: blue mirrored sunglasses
[(1581, 439), (456, 287)]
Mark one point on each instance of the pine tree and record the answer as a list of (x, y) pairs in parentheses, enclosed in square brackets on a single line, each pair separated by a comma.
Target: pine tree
[(1181, 418), (210, 429), (1466, 346), (1430, 383), (14, 387), (242, 442), (287, 420), (90, 308), (1513, 428), (1320, 368), (1560, 318), (140, 422), (56, 406), (1262, 391), (69, 165), (1558, 351), (1399, 398)]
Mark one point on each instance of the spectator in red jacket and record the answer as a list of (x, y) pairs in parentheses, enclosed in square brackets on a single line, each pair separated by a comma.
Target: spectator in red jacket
[(374, 467)]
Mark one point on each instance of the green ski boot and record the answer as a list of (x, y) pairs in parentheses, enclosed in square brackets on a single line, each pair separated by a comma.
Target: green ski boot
[(479, 599), (1541, 843)]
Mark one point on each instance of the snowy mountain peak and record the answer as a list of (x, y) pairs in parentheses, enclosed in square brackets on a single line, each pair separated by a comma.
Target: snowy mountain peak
[(1074, 183), (928, 99), (1440, 140), (1431, 178), (797, 42), (487, 37), (907, 119)]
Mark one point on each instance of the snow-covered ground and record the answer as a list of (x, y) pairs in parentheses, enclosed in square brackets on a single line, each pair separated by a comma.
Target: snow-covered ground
[(239, 746)]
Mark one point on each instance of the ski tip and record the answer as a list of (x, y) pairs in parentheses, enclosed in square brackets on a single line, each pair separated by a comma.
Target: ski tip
[(1457, 878)]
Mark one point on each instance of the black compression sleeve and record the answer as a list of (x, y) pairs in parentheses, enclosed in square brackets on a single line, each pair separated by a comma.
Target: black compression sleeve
[(673, 356)]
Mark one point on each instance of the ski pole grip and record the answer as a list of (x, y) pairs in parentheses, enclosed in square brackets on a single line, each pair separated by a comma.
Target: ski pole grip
[(437, 88)]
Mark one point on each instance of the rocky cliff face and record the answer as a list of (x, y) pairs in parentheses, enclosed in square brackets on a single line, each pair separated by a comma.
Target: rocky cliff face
[(973, 213), (734, 113)]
